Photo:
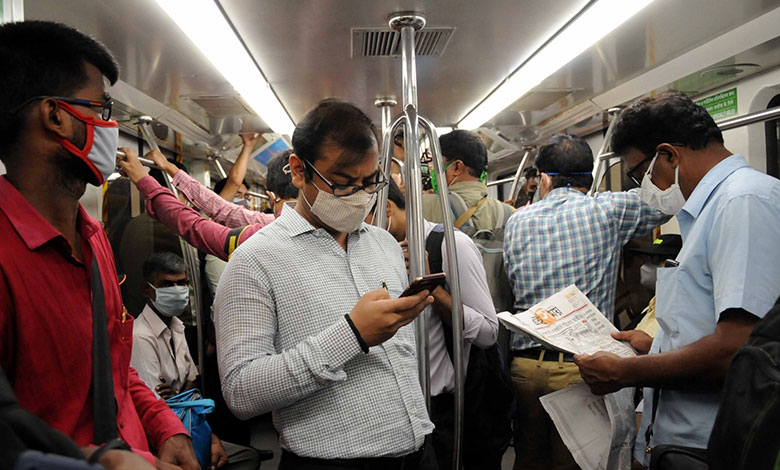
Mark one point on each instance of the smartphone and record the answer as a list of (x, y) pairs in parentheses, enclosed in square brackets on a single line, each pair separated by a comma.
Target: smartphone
[(429, 282)]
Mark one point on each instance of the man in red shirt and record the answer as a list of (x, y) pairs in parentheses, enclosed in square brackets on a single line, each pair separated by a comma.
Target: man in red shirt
[(55, 137)]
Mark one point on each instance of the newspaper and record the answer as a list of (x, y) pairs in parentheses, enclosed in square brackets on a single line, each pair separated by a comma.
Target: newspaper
[(567, 322), (599, 431)]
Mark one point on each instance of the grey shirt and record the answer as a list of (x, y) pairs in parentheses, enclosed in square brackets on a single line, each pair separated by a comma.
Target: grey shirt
[(284, 345)]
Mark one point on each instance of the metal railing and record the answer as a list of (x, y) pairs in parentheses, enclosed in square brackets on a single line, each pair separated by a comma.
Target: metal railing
[(407, 24)]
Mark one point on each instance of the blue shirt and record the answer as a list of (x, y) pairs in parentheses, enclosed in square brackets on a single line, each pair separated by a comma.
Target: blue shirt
[(730, 259), (572, 238)]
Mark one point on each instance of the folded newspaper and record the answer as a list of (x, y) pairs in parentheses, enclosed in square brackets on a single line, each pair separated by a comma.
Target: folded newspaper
[(599, 431), (567, 322)]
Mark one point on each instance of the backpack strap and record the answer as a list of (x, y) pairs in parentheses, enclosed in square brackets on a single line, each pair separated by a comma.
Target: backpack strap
[(433, 247), (464, 217)]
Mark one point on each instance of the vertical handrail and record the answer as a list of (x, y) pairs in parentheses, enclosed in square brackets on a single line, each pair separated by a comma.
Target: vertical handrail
[(604, 152), (407, 24), (454, 282), (515, 182), (380, 214), (190, 258)]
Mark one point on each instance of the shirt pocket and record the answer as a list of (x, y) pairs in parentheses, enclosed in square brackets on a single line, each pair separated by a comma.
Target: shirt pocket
[(668, 292)]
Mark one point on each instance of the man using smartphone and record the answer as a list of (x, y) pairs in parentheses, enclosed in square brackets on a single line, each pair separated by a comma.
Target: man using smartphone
[(304, 327)]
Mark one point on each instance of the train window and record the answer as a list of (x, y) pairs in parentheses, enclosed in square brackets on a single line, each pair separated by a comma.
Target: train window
[(772, 132)]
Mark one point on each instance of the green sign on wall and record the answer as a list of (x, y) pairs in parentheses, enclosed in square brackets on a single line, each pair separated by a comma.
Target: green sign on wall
[(721, 105)]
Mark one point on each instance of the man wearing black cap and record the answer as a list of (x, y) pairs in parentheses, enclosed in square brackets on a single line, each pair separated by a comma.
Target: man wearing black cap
[(566, 238)]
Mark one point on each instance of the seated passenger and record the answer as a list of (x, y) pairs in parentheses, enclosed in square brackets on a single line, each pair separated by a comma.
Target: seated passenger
[(725, 278), (160, 352), (566, 238), (304, 327), (480, 327), (65, 350)]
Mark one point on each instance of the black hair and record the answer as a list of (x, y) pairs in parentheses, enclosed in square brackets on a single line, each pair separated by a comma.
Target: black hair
[(671, 117), (42, 58), (531, 172), (162, 262), (568, 160), (334, 122), (394, 194), (220, 185), (277, 181), (467, 147)]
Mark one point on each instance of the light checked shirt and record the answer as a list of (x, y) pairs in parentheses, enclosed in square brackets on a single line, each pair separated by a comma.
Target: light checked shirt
[(572, 238), (730, 259), (284, 345)]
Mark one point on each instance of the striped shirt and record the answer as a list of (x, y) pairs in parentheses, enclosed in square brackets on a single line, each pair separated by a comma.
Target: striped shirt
[(572, 238), (284, 345)]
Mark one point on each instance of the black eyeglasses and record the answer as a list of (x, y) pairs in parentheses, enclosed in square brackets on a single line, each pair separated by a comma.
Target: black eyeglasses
[(631, 173), (106, 107), (344, 190)]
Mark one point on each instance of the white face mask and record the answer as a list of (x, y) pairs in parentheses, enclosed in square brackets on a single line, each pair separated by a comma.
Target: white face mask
[(171, 301), (241, 202), (647, 275), (668, 201), (342, 214)]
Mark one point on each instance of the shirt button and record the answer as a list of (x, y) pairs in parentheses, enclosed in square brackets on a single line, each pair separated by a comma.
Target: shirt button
[(121, 425)]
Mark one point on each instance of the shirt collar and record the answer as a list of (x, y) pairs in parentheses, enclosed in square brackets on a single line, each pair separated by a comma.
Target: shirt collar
[(470, 186), (297, 225), (702, 192), (563, 193), (31, 226), (157, 325)]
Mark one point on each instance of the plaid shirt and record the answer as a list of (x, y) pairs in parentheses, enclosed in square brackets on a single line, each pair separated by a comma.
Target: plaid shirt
[(219, 210), (284, 345), (571, 238)]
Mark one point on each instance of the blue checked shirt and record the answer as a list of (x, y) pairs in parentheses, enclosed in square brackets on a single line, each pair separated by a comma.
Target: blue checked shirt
[(572, 238), (284, 345)]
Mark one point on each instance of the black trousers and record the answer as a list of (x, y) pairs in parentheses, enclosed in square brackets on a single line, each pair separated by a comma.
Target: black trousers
[(419, 460)]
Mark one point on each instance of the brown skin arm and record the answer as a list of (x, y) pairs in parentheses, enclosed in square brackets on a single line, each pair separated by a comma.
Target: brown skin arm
[(238, 171), (700, 365)]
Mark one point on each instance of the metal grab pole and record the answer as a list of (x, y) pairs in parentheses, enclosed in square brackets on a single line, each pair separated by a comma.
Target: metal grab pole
[(604, 153), (454, 282), (515, 182), (380, 214), (219, 167), (190, 258)]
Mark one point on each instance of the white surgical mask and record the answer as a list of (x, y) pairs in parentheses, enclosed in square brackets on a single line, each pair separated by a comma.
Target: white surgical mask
[(389, 223), (343, 214), (668, 201), (241, 202), (171, 301), (647, 275), (99, 152)]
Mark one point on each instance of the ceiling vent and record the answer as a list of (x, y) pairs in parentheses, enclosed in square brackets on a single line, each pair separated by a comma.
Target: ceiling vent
[(221, 105), (373, 42)]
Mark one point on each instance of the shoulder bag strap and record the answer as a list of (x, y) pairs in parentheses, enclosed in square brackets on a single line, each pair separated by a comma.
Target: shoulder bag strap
[(469, 213), (104, 405)]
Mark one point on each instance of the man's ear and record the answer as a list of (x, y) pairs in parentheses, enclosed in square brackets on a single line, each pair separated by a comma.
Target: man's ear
[(54, 119), (148, 291), (297, 171), (670, 152)]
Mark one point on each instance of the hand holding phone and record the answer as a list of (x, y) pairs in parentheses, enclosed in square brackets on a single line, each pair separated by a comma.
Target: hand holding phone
[(429, 283)]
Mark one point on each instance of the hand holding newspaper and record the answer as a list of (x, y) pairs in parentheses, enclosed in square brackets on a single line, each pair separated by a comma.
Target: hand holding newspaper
[(567, 322)]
